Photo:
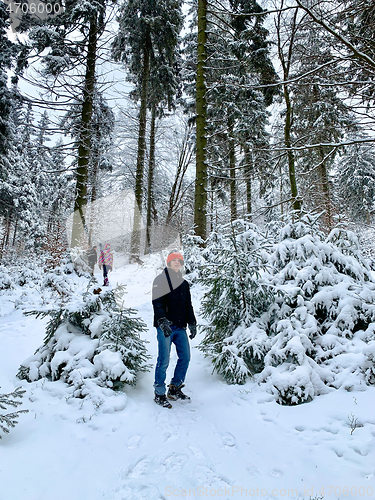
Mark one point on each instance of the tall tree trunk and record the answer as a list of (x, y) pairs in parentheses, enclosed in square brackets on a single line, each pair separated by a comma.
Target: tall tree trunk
[(5, 241), (15, 232), (94, 196), (200, 202), (7, 230), (248, 176), (290, 152), (232, 173), (151, 171), (324, 188), (79, 224), (285, 63), (136, 233)]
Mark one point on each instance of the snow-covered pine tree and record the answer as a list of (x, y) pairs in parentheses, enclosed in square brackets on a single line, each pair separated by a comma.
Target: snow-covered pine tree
[(9, 420), (301, 318), (91, 340), (238, 290), (320, 328), (356, 182)]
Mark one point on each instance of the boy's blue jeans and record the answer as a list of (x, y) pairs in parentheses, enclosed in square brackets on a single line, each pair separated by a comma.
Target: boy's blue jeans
[(180, 339)]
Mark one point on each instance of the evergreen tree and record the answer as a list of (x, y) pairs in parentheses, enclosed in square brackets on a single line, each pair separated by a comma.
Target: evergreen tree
[(70, 61), (238, 60), (309, 326), (237, 292), (356, 182), (90, 340), (8, 51)]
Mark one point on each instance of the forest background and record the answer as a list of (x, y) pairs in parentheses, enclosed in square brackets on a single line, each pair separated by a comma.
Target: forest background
[(243, 133), (195, 113)]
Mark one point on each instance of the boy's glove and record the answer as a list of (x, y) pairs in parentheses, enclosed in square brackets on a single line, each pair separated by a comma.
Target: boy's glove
[(164, 325), (193, 331)]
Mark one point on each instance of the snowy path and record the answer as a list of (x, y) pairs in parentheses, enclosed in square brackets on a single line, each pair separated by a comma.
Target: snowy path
[(229, 442)]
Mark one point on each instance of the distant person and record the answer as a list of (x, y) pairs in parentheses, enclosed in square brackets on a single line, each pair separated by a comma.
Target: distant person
[(92, 257), (106, 261), (173, 311)]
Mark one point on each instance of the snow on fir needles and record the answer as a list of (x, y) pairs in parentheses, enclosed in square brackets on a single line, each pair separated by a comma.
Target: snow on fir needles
[(92, 341), (297, 315)]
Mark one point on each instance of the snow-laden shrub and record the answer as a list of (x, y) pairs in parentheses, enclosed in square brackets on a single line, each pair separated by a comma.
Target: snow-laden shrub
[(27, 275), (80, 261), (316, 329), (13, 399), (319, 327), (91, 339), (238, 290), (5, 279), (194, 260)]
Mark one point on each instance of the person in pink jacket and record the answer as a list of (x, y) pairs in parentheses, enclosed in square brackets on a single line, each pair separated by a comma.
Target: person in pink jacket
[(106, 261)]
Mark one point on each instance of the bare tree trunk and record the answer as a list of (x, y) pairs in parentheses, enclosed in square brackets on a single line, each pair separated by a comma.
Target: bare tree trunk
[(15, 232), (290, 152), (136, 233), (7, 231), (248, 176), (285, 63), (200, 205), (79, 224), (94, 196), (5, 241), (324, 188), (151, 171), (232, 174)]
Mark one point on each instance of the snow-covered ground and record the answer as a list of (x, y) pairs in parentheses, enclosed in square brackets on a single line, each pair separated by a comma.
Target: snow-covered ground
[(229, 442)]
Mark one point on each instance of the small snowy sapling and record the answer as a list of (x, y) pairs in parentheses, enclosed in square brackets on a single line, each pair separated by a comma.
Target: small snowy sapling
[(92, 339)]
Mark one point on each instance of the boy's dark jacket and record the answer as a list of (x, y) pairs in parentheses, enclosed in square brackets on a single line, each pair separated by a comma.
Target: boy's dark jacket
[(171, 299)]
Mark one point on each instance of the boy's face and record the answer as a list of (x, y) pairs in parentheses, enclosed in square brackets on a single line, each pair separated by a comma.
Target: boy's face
[(175, 265)]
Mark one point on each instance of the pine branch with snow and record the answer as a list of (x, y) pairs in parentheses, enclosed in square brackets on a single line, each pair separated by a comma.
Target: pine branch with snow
[(10, 420)]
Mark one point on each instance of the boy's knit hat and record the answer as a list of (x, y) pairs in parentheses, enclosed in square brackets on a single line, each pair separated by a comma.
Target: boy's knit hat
[(175, 255)]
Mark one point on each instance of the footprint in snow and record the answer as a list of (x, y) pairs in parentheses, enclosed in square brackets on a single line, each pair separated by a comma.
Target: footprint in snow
[(174, 463), (339, 452), (171, 436), (252, 469), (268, 419), (133, 442), (138, 492), (228, 440), (331, 430), (363, 452), (138, 470), (207, 477)]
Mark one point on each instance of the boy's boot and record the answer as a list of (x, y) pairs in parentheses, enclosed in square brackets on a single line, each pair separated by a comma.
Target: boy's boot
[(175, 393), (162, 401)]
